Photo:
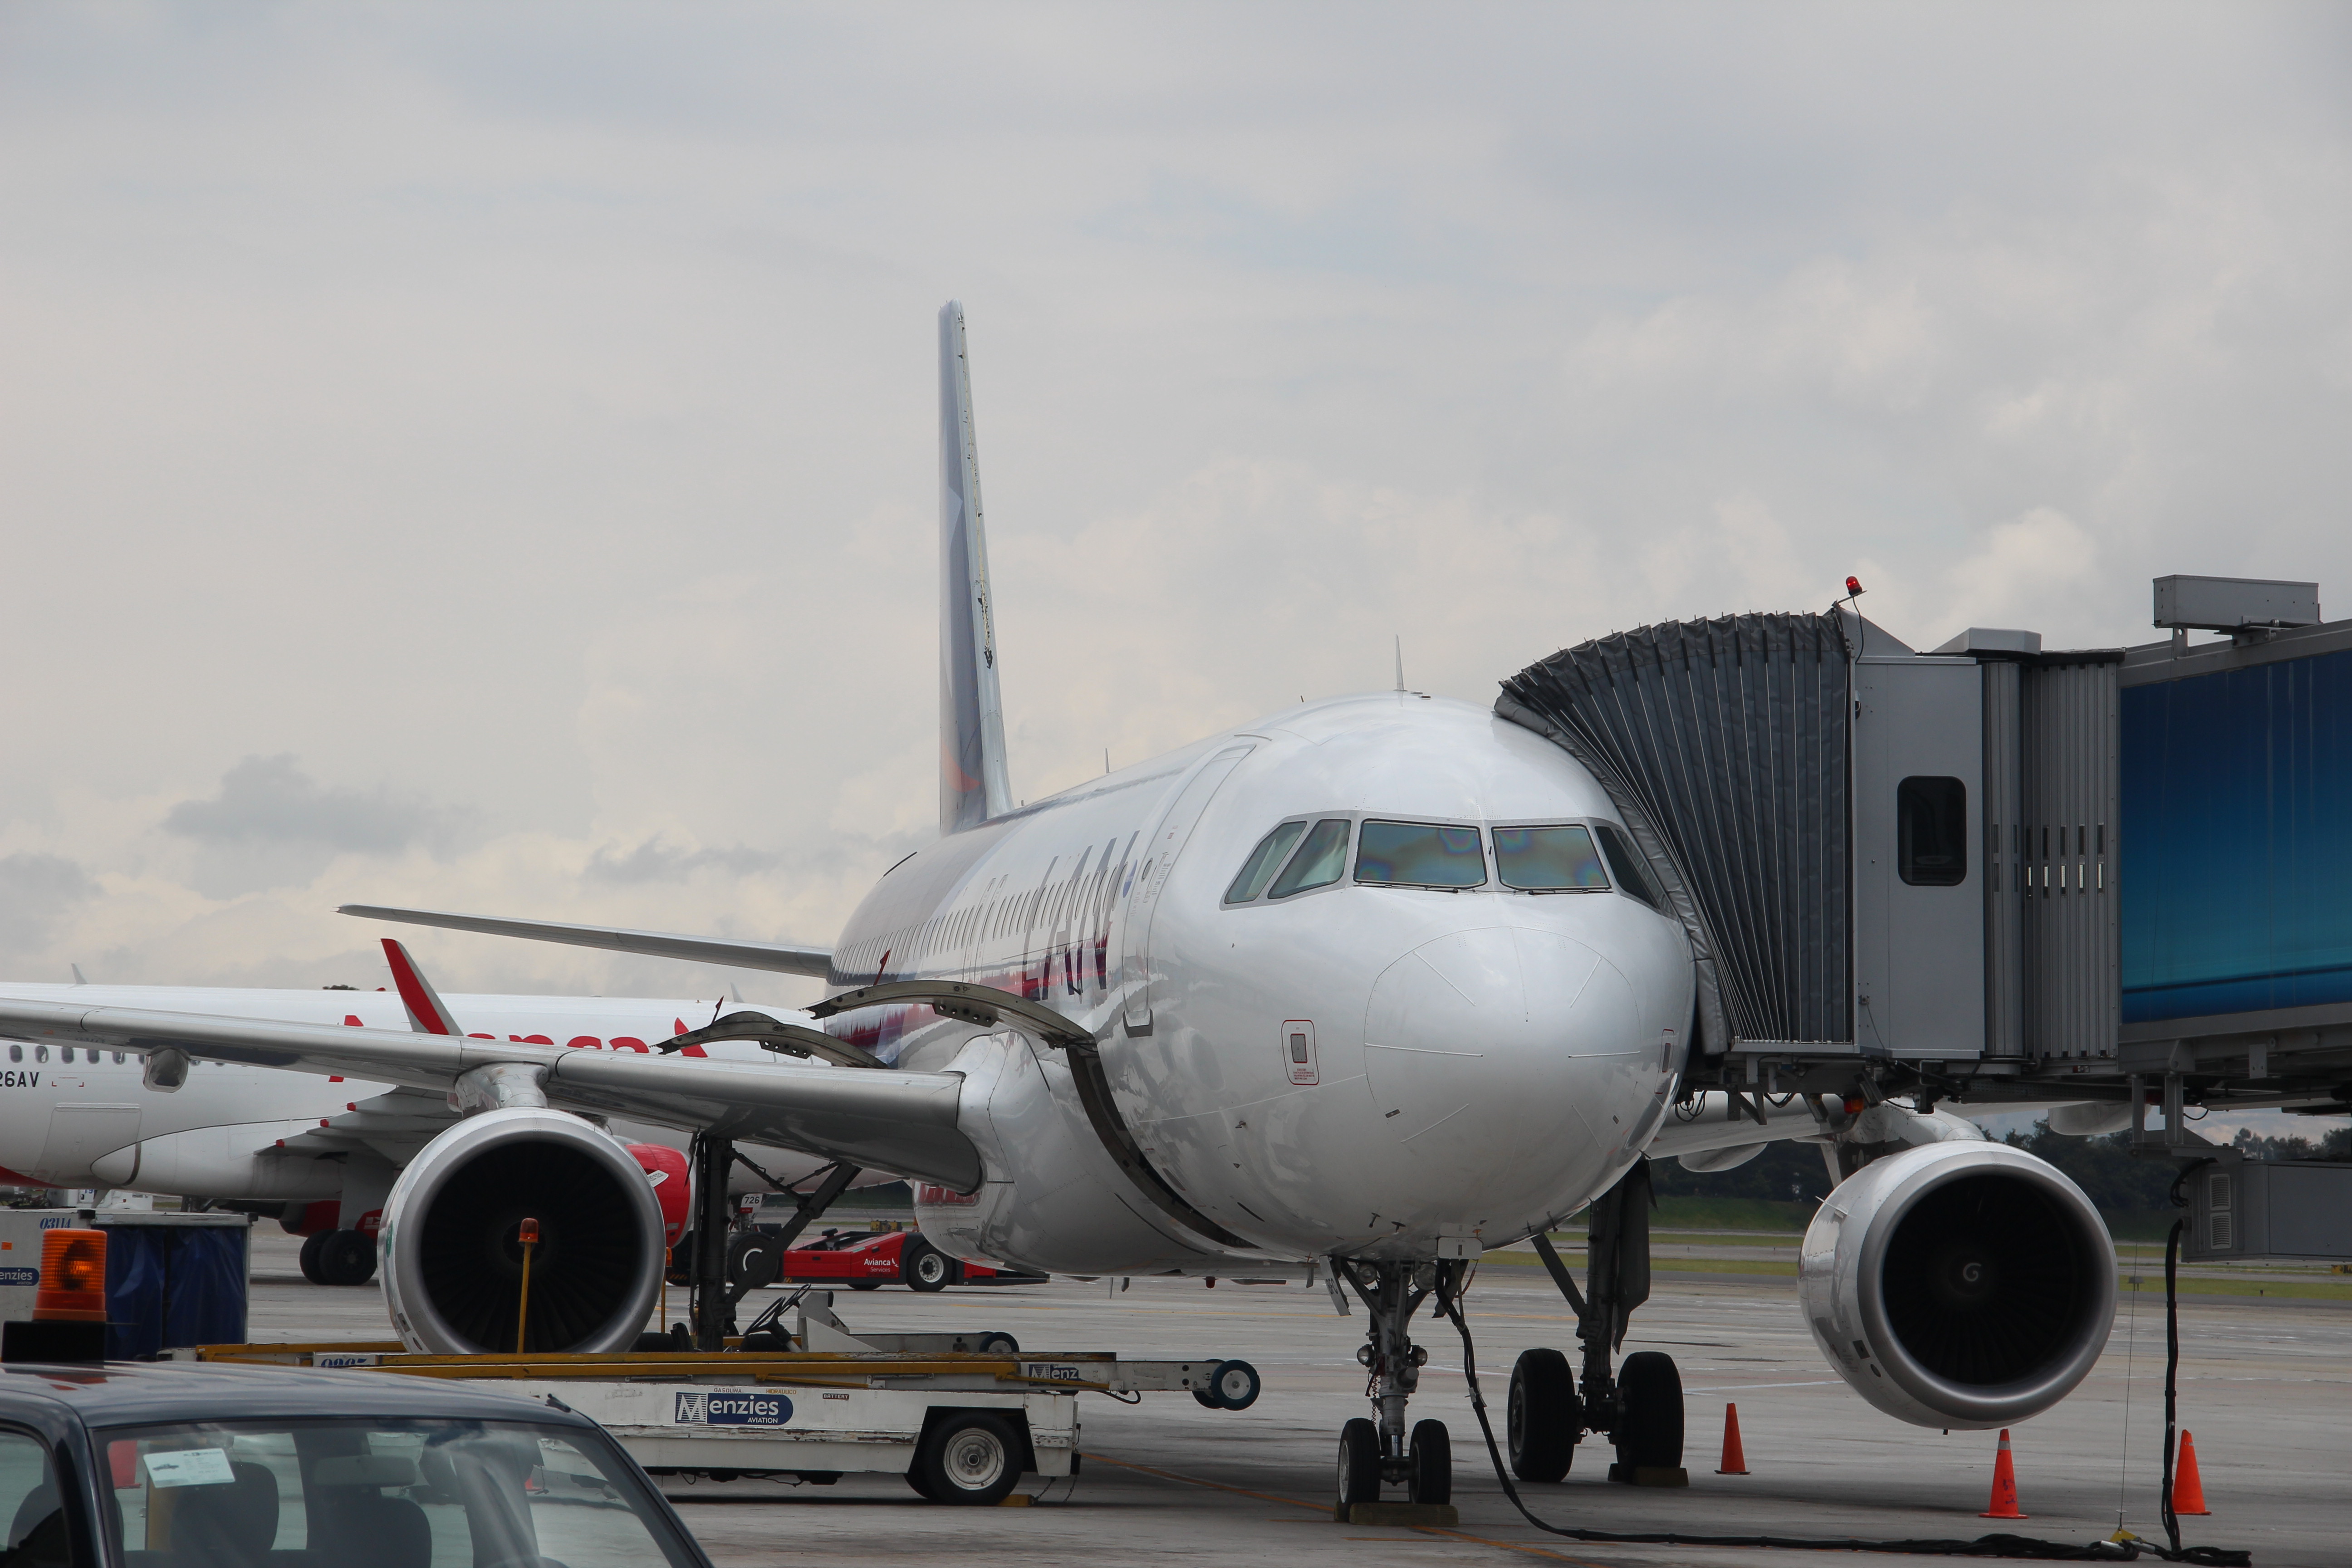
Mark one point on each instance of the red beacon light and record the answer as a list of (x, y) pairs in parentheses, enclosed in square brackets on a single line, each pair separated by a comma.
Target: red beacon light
[(1854, 586)]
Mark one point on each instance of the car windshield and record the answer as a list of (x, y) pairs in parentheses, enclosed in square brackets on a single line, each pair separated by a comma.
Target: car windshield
[(1420, 855), (399, 1493), (1548, 859)]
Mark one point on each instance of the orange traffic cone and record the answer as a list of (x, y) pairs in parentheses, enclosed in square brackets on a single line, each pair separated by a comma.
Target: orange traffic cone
[(2004, 1486), (2188, 1486), (1735, 1460)]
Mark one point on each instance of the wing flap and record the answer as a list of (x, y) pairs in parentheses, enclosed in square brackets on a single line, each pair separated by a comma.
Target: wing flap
[(783, 957)]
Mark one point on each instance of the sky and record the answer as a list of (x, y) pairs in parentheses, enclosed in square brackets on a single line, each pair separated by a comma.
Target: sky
[(483, 456)]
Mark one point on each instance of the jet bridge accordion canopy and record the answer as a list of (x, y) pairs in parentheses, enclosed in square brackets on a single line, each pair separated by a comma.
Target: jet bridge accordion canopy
[(1726, 744)]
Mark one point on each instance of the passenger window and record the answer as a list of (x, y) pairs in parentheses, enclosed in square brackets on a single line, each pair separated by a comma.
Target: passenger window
[(30, 1502), (1318, 862), (1931, 832), (1548, 859), (1259, 868), (1625, 863), (1420, 855)]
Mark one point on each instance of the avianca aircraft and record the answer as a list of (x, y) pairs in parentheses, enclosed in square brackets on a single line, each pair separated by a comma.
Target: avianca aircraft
[(322, 1153), (1354, 991)]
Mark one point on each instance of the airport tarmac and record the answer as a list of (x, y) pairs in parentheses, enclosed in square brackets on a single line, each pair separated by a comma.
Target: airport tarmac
[(2263, 1386)]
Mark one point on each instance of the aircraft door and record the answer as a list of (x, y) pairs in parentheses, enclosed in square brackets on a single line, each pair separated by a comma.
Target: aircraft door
[(1156, 859)]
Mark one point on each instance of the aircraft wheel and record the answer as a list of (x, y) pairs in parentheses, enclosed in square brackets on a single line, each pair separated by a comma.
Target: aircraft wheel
[(346, 1258), (1541, 1425), (1429, 1464), (925, 1267), (1360, 1467), (998, 1344), (1232, 1385), (309, 1261), (1649, 1434), (970, 1458)]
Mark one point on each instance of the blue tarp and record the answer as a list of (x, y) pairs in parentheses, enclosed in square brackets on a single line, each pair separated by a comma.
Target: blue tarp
[(172, 1285)]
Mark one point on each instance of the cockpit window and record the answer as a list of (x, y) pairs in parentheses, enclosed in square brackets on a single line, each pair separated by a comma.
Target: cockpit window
[(1420, 855), (1259, 868), (1318, 862), (1549, 860), (1626, 862)]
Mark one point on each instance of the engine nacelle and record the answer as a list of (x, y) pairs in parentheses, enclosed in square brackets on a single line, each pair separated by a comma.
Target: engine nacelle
[(1960, 1284), (452, 1256)]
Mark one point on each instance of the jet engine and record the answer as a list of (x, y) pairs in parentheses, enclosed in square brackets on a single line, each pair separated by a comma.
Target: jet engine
[(452, 1248), (1959, 1284)]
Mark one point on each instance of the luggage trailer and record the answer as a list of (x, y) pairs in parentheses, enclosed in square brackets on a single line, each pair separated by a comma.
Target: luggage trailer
[(962, 1417)]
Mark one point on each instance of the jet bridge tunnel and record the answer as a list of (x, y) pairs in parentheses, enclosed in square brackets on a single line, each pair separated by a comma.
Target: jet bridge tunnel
[(1992, 863)]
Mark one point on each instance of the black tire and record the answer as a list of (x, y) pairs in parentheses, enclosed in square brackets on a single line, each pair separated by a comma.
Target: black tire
[(1232, 1385), (924, 1267), (1649, 1434), (865, 1284), (999, 1344), (969, 1457), (309, 1261), (1430, 1464), (1205, 1400), (1360, 1467), (346, 1258), (1540, 1424)]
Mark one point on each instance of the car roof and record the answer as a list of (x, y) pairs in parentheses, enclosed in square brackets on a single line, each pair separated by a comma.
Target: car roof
[(121, 1394)]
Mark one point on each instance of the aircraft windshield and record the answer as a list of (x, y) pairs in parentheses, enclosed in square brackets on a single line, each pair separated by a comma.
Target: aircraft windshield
[(1420, 855), (1549, 860), (1318, 862), (1259, 868), (1626, 861)]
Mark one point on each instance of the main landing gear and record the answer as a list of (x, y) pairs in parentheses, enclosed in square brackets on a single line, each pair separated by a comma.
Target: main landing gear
[(1640, 1408), (1373, 1453), (339, 1258)]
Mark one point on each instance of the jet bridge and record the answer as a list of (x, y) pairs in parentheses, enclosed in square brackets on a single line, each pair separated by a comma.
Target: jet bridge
[(2006, 871)]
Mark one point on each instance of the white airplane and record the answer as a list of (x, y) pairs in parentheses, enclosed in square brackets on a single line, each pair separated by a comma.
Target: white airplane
[(1355, 992), (322, 1155)]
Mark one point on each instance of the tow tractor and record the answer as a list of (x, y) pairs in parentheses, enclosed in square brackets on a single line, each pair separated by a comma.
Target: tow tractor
[(867, 1261), (962, 1417)]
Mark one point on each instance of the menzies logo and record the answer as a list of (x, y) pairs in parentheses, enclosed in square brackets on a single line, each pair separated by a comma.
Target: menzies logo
[(731, 1407)]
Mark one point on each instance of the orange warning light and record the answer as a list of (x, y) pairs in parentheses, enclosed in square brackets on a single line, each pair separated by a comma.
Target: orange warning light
[(1855, 1105), (529, 1232), (73, 1278)]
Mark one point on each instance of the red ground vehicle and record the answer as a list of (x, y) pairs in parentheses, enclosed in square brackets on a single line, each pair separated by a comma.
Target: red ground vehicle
[(868, 1259)]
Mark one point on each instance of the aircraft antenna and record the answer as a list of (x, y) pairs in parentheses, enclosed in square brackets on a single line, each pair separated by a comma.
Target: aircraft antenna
[(1400, 661)]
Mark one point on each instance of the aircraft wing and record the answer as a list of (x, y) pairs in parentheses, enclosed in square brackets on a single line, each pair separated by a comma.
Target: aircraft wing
[(787, 958), (878, 1118)]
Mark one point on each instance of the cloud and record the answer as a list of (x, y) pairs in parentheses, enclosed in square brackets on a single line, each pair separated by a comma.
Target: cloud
[(34, 890), (655, 861), (271, 825)]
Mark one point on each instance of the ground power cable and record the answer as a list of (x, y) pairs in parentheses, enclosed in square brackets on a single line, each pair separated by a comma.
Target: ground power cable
[(2009, 1546)]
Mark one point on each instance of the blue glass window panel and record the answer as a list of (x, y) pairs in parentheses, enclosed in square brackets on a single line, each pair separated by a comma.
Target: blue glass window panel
[(2236, 848)]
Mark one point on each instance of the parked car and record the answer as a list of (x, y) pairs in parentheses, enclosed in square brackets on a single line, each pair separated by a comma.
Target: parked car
[(182, 1463), (869, 1259)]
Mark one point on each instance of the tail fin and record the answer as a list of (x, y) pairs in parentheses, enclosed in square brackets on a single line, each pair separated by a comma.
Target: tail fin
[(972, 782)]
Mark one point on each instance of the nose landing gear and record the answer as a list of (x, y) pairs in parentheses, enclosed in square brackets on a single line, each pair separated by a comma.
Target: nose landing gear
[(1373, 1453)]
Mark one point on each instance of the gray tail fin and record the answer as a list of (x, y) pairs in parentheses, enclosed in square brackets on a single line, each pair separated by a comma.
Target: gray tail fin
[(972, 781)]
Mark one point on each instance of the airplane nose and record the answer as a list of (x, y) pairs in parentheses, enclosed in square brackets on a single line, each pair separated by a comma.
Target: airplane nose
[(1480, 1044)]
